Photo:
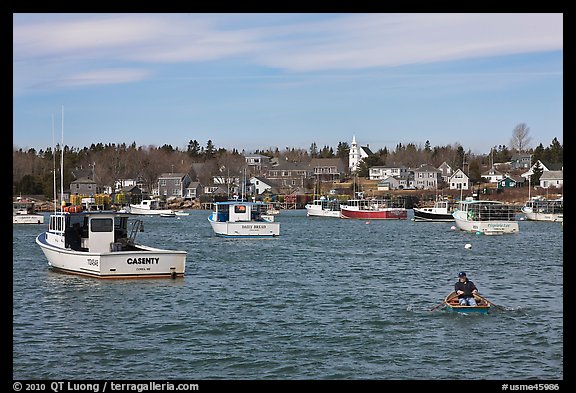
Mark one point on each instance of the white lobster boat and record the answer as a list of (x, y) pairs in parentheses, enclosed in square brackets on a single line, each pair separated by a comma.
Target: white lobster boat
[(538, 209), (323, 207), (100, 244), (24, 212), (486, 217), (240, 219), (150, 207)]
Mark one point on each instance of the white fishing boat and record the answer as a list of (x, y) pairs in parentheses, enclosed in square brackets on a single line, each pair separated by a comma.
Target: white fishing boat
[(99, 243), (441, 211), (24, 212), (149, 207), (323, 207), (181, 213), (486, 217), (241, 219), (539, 209)]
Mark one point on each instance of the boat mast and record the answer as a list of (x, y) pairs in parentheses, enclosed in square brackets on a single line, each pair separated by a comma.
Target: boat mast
[(62, 165), (461, 184), (529, 177), (54, 164)]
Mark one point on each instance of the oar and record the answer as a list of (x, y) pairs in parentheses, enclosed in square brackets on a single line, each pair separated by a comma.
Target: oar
[(443, 303), (489, 302)]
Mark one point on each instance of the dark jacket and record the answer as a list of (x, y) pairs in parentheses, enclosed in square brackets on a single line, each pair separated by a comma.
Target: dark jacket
[(466, 286)]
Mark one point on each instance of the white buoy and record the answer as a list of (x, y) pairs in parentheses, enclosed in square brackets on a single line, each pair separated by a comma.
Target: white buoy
[(468, 246), (453, 227)]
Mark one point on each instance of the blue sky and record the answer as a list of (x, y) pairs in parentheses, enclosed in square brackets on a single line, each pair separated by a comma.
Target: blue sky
[(258, 81)]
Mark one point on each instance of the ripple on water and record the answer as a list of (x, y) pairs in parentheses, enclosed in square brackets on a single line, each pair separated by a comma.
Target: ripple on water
[(328, 299)]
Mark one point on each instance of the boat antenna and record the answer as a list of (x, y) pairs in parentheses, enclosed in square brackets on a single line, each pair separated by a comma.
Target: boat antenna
[(54, 164), (529, 176), (62, 165)]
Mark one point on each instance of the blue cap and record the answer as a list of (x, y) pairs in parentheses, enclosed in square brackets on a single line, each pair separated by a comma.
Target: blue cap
[(461, 274)]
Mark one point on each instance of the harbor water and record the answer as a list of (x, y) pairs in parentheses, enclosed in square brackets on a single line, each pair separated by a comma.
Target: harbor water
[(328, 299)]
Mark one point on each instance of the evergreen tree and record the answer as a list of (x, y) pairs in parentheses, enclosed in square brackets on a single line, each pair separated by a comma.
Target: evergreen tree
[(536, 173), (210, 151)]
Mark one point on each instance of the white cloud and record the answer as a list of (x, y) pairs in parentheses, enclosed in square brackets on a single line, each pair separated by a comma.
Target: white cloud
[(57, 49), (383, 40), (105, 76)]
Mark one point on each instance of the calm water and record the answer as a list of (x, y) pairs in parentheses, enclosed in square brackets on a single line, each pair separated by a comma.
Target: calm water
[(328, 299)]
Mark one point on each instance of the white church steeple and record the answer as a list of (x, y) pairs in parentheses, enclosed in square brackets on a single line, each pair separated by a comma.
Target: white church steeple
[(353, 156)]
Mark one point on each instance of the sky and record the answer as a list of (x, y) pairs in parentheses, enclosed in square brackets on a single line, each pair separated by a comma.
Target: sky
[(286, 80)]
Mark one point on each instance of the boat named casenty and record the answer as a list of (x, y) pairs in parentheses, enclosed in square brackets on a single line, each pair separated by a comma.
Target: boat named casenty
[(487, 217), (242, 219), (97, 243)]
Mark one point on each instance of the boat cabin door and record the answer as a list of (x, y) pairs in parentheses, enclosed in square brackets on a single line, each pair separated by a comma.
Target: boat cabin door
[(100, 234)]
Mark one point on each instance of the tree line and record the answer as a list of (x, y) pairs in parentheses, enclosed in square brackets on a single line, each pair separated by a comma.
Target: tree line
[(33, 171)]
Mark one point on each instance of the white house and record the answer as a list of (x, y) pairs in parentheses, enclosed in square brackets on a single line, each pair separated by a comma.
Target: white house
[(537, 164), (260, 184), (493, 175), (459, 181), (552, 179), (382, 172)]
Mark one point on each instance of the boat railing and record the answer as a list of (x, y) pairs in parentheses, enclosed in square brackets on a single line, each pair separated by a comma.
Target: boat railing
[(137, 226), (491, 213)]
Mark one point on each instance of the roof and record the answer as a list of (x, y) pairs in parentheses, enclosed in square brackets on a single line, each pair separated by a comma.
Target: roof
[(84, 180), (366, 150), (552, 175), (179, 175), (427, 168), (319, 162), (239, 203)]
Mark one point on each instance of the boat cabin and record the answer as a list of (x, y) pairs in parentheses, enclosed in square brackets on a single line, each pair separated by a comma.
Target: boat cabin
[(488, 211), (239, 211), (22, 207), (555, 206), (96, 231)]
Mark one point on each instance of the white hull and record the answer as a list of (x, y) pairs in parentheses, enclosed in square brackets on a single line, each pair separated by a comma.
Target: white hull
[(144, 262), (149, 212), (246, 228), (27, 219), (545, 217), (544, 210), (486, 227), (318, 211), (486, 217)]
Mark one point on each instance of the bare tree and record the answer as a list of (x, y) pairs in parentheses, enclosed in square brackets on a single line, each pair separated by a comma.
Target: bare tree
[(520, 138)]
